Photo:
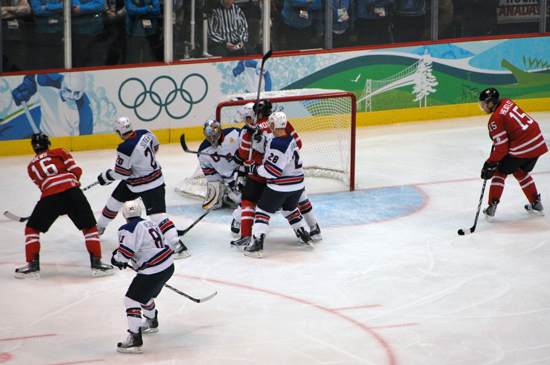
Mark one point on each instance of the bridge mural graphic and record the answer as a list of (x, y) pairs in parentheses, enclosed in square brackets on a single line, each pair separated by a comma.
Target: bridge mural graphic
[(419, 75)]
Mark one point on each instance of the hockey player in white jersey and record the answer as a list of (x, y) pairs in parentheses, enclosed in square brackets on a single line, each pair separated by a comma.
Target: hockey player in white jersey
[(216, 158), (282, 168), (141, 177), (142, 245)]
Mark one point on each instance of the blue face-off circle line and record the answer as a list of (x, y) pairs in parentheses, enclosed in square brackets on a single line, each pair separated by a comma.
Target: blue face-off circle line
[(336, 209)]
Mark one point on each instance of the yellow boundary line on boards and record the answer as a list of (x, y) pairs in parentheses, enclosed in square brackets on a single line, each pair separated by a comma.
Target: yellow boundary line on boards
[(193, 134)]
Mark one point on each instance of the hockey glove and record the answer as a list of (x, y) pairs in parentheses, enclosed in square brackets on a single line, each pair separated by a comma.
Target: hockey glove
[(238, 159), (114, 262), (24, 91), (255, 132), (251, 167), (105, 177), (488, 170)]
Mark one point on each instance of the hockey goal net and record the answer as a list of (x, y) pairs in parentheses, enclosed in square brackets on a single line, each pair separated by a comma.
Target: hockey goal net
[(324, 119)]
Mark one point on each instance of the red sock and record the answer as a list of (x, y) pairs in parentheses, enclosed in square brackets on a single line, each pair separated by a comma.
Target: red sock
[(527, 184), (32, 243), (497, 186), (247, 217), (92, 241)]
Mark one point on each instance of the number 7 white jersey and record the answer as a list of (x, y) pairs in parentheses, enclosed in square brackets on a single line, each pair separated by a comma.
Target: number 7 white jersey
[(142, 243)]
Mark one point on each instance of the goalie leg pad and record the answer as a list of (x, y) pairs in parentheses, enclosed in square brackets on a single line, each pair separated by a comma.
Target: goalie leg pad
[(215, 193)]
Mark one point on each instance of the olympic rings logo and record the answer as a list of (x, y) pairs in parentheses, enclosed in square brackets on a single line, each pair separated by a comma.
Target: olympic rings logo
[(147, 100)]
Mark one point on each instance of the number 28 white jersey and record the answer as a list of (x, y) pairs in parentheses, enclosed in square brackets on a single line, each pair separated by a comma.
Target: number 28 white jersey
[(282, 165), (142, 242)]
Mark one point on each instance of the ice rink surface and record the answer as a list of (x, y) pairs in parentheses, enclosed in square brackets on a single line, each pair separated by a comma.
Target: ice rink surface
[(390, 283)]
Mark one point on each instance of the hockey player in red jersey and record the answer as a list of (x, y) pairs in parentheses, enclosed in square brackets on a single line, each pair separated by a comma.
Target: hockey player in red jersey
[(518, 143), (254, 185), (57, 176)]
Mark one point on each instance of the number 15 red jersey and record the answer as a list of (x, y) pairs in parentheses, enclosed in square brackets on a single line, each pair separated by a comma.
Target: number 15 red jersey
[(514, 133), (54, 171)]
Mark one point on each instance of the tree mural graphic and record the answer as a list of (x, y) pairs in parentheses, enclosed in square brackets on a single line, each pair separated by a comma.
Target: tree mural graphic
[(424, 80)]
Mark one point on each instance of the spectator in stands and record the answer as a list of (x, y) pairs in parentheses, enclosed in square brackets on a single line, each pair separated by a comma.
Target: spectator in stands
[(114, 34), (343, 22), (87, 27), (144, 41), (228, 31), (373, 23), (48, 38), (408, 20), (296, 28), (15, 35), (445, 13), (479, 17)]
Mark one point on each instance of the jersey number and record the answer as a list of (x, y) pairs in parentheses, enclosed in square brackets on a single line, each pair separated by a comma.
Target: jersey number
[(523, 119), (149, 153), (157, 237), (48, 169)]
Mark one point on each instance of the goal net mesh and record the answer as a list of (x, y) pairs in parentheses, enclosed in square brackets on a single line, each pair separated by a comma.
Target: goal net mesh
[(324, 120)]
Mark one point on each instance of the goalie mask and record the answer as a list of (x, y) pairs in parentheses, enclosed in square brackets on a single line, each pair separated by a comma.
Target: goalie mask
[(72, 87), (278, 120), (122, 126), (247, 111), (212, 131), (131, 209), (40, 142)]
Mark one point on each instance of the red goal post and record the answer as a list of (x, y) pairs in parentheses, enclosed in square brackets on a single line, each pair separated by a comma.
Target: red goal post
[(324, 119)]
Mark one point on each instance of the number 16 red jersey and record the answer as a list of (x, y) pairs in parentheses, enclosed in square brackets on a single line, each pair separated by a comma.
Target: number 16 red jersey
[(514, 133), (54, 171)]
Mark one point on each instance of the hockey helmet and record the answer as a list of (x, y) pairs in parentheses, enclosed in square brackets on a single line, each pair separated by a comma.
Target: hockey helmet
[(487, 95), (40, 142), (122, 126), (212, 131), (278, 119), (245, 112), (131, 209), (265, 107), (73, 85)]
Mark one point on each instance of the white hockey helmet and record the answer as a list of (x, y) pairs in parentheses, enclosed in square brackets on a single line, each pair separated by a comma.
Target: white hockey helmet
[(73, 85), (212, 131), (122, 126), (131, 209), (246, 111), (278, 119)]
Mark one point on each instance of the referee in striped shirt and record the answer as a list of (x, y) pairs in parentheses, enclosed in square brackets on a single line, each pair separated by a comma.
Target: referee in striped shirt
[(228, 31)]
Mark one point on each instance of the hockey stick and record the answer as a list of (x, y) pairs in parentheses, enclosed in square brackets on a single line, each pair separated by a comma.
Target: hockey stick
[(17, 218), (264, 58), (196, 300), (186, 149), (29, 117), (463, 232), (182, 232)]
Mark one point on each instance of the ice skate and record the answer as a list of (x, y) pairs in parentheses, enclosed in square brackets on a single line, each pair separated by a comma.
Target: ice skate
[(235, 228), (31, 270), (241, 242), (491, 210), (100, 230), (99, 268), (180, 251), (150, 325), (304, 236), (535, 207), (315, 233), (256, 247), (132, 345)]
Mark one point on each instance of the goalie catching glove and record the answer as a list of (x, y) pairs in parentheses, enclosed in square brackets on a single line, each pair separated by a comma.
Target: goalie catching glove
[(488, 170), (105, 177), (251, 167), (120, 265)]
